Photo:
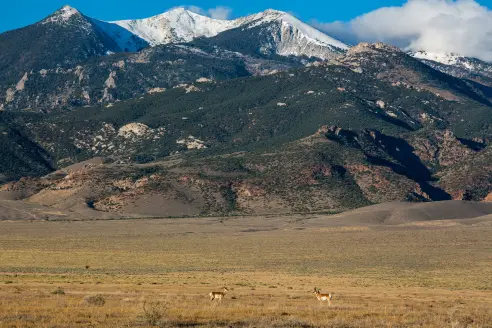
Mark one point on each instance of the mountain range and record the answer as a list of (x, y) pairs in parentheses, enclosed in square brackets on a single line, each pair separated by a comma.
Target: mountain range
[(66, 56), (71, 60), (261, 114)]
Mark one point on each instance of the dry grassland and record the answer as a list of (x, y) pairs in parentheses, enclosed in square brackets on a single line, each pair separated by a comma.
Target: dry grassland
[(160, 272)]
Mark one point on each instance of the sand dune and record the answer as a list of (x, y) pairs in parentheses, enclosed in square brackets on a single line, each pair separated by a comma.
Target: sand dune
[(388, 214), (403, 213)]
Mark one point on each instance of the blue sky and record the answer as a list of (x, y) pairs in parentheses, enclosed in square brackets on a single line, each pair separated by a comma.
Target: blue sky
[(18, 13), (442, 26)]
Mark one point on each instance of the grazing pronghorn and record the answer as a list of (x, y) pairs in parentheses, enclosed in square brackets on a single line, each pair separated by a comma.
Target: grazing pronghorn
[(322, 297), (218, 295)]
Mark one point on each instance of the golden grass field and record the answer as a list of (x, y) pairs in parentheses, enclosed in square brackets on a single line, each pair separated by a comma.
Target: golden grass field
[(429, 274)]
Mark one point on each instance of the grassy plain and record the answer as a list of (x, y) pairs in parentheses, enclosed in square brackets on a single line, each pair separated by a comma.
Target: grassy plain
[(435, 274)]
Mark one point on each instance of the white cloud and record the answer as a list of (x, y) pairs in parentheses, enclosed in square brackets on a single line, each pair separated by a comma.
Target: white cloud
[(219, 12), (197, 10), (340, 30), (459, 26)]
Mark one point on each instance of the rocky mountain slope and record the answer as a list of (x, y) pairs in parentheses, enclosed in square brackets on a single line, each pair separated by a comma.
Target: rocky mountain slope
[(327, 137), (105, 80), (181, 114), (20, 156), (391, 64), (472, 69), (63, 39)]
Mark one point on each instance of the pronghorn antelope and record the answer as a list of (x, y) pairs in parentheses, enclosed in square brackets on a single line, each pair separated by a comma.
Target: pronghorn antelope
[(218, 295), (322, 297)]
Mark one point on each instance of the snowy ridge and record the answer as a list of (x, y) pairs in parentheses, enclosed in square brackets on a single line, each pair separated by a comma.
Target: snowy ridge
[(181, 25), (176, 25), (282, 33)]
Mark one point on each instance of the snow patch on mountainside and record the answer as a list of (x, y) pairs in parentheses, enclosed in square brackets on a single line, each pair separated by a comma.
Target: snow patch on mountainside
[(443, 58), (455, 60), (455, 65)]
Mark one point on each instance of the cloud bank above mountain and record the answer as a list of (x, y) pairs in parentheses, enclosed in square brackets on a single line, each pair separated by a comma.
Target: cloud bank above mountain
[(451, 26), (219, 12)]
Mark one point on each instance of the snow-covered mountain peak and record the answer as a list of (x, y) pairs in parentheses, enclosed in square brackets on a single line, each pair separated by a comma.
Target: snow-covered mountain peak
[(67, 12), (289, 22), (175, 14), (62, 15), (268, 15), (68, 8), (273, 12), (175, 25)]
